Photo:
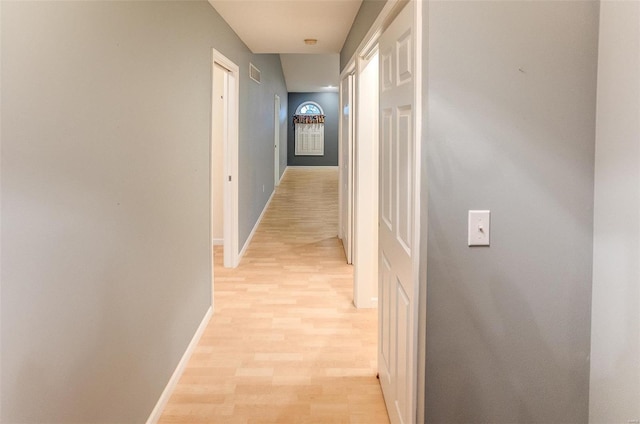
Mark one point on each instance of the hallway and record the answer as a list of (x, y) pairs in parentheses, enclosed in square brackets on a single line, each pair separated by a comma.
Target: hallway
[(285, 343)]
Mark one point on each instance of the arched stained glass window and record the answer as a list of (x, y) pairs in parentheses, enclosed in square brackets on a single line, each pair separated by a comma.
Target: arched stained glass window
[(309, 108)]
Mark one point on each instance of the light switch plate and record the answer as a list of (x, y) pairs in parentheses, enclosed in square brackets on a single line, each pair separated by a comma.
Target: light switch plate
[(479, 228)]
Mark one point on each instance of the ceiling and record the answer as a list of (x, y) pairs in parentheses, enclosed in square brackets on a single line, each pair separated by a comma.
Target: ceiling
[(281, 26), (308, 73)]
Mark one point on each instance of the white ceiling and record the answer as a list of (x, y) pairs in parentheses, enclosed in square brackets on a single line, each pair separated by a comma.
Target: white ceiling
[(307, 73), (280, 26)]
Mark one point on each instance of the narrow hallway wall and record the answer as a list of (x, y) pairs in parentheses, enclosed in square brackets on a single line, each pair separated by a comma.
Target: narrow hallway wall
[(256, 149), (511, 128), (105, 198)]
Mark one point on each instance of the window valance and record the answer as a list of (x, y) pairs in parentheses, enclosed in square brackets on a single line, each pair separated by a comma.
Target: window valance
[(308, 119)]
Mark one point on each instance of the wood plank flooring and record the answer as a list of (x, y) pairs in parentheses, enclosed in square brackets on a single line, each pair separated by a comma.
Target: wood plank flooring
[(286, 344)]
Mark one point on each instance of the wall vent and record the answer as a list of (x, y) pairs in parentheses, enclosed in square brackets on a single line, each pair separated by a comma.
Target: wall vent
[(254, 73)]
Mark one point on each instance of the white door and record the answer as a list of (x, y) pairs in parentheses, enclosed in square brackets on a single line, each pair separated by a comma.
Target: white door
[(398, 300), (226, 126), (346, 165), (218, 123), (276, 139)]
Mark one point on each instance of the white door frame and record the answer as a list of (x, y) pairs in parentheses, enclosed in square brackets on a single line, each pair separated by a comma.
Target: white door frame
[(365, 182), (385, 17), (276, 141), (345, 195), (230, 152)]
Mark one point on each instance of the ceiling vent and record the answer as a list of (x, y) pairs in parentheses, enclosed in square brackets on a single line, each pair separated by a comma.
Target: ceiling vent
[(254, 73)]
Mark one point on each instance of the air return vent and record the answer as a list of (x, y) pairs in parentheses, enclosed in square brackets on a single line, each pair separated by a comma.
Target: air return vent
[(254, 73)]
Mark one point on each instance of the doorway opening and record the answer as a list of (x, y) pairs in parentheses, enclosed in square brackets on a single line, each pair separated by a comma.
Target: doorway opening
[(345, 162), (276, 140), (218, 135), (224, 158), (386, 179), (365, 254)]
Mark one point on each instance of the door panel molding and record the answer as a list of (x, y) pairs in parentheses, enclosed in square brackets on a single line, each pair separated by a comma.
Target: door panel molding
[(408, 67), (399, 208)]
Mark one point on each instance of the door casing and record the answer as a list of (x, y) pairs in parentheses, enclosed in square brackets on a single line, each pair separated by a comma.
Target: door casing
[(276, 140), (345, 162), (230, 160), (385, 17), (365, 170)]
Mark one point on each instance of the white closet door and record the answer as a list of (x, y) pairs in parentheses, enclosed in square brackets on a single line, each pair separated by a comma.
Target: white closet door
[(397, 295)]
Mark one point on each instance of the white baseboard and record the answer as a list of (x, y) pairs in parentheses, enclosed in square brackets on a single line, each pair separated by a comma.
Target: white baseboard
[(217, 242), (372, 304), (255, 227), (282, 176), (173, 381)]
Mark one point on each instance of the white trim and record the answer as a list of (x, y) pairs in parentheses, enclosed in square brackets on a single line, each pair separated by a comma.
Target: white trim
[(365, 181), (283, 172), (346, 164), (340, 170), (420, 330), (385, 17), (0, 230), (230, 190), (177, 373), (255, 228), (276, 139)]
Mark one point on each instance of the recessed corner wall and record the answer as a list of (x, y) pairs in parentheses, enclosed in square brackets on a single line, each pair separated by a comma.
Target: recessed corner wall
[(329, 104), (511, 127)]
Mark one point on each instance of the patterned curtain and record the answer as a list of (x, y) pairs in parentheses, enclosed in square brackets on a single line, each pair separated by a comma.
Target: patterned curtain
[(308, 119)]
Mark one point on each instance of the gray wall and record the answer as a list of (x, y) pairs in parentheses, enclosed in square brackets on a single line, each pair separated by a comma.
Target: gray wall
[(367, 14), (511, 115), (256, 149), (329, 103), (615, 335), (105, 198)]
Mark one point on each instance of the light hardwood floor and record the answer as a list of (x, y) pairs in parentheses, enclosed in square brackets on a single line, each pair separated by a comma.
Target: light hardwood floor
[(286, 344)]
